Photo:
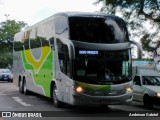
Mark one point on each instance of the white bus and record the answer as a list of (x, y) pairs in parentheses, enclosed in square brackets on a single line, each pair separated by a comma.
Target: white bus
[(75, 58)]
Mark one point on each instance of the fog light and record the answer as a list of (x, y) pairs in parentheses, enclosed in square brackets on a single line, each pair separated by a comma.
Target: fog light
[(79, 89), (128, 89)]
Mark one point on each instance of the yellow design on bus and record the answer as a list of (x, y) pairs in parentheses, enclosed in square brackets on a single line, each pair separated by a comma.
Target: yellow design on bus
[(37, 63)]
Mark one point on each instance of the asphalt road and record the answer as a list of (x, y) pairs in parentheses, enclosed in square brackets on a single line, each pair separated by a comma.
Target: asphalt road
[(11, 100)]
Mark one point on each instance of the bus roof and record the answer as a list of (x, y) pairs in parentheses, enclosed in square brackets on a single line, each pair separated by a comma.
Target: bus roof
[(69, 14), (48, 23)]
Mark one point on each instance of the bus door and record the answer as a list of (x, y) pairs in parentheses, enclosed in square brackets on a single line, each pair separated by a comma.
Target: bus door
[(64, 71)]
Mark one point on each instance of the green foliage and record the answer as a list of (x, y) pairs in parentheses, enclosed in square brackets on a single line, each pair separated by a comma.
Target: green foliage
[(149, 45), (136, 13), (7, 30), (6, 60)]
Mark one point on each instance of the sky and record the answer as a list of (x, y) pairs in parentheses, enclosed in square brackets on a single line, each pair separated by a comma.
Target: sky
[(33, 11)]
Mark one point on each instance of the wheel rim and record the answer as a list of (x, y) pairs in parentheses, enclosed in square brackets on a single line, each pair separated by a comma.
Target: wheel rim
[(24, 88), (20, 86), (55, 95)]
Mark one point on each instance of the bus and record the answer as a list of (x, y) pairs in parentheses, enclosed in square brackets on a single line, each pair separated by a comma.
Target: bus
[(76, 58)]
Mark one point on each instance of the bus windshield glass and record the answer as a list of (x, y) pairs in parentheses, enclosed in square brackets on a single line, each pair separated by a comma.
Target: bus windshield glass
[(102, 67), (98, 29)]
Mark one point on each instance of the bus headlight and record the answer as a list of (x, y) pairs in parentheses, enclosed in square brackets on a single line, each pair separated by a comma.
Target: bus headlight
[(128, 89), (79, 89), (158, 94)]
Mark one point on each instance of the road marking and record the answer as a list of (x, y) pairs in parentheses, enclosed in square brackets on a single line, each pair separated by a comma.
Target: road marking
[(3, 94), (5, 107), (1, 118), (19, 100), (5, 91), (8, 94)]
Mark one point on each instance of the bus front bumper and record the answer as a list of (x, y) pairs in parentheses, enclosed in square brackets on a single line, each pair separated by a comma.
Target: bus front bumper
[(88, 100)]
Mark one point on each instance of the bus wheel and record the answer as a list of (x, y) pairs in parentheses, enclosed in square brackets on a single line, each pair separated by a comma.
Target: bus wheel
[(21, 86), (25, 91), (56, 102)]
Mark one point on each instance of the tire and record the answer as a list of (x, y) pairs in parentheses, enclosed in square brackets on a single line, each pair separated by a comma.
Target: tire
[(25, 91), (11, 81), (148, 102), (55, 100), (21, 87)]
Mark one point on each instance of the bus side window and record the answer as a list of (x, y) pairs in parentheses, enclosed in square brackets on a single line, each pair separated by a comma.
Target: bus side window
[(51, 40), (44, 42), (38, 42), (35, 43), (63, 55), (18, 46)]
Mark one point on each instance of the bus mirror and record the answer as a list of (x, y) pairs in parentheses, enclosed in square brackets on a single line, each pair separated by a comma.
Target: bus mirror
[(139, 49), (59, 33)]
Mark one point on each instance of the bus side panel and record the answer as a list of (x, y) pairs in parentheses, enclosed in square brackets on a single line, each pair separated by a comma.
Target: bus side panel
[(38, 72), (62, 81), (17, 67)]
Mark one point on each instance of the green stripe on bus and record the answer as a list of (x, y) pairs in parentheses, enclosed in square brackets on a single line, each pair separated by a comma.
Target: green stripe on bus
[(45, 74), (92, 87)]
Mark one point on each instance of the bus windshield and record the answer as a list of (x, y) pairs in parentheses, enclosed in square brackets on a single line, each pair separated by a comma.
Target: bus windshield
[(98, 29), (102, 67)]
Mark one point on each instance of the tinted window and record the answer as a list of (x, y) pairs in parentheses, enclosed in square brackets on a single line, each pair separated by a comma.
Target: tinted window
[(97, 66), (5, 71), (33, 43), (18, 46), (151, 80), (63, 55), (98, 30), (137, 80)]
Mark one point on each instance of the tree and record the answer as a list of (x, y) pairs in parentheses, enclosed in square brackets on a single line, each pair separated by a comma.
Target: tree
[(152, 49), (7, 30), (140, 15)]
